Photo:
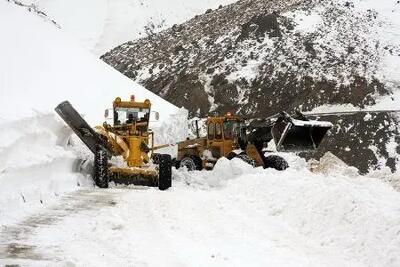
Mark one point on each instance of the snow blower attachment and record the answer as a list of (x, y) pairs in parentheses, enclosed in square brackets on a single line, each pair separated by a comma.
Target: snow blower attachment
[(233, 137), (129, 137)]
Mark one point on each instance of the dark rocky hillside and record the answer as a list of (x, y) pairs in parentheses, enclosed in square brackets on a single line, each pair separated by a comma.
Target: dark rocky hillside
[(258, 57)]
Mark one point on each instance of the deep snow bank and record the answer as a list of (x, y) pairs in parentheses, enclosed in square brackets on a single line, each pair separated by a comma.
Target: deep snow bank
[(357, 219), (41, 67), (34, 166)]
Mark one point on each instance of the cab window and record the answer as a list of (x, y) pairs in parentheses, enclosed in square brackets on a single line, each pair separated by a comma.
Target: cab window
[(130, 115), (231, 129), (228, 129), (211, 130), (218, 131)]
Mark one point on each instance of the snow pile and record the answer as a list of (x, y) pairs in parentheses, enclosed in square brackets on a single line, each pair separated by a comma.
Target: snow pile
[(100, 25), (386, 175), (329, 164), (352, 218), (173, 130)]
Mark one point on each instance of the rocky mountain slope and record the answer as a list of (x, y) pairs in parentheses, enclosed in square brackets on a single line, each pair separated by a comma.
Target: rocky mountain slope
[(259, 57)]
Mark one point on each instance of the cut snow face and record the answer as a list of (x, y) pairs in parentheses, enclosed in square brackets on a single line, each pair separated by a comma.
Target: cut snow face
[(35, 167), (100, 25)]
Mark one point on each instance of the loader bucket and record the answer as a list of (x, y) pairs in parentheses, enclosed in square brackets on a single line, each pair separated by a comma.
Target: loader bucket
[(293, 135)]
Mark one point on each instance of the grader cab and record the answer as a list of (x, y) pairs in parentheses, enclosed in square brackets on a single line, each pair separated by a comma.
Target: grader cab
[(127, 136)]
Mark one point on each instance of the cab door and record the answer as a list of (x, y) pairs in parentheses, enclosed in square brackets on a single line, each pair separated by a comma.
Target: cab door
[(230, 136), (215, 139)]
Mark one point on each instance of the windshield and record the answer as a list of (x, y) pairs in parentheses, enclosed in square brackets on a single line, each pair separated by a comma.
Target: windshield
[(130, 115), (231, 129)]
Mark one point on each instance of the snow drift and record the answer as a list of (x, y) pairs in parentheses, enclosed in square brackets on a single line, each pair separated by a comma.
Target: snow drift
[(355, 219)]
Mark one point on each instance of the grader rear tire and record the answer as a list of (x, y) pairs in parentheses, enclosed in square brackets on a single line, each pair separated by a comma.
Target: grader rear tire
[(192, 163), (276, 162), (165, 172), (246, 158), (100, 175)]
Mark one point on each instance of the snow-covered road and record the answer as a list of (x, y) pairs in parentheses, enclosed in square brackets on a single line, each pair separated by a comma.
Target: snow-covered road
[(143, 227), (232, 216), (15, 238)]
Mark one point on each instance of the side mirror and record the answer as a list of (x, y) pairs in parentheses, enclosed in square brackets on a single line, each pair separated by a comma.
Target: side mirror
[(106, 113), (157, 116)]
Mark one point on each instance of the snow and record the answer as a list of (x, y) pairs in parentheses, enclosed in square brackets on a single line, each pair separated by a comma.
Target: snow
[(325, 124), (40, 68), (385, 33), (206, 80), (34, 167), (388, 11), (305, 22), (235, 215), (374, 22), (101, 25), (327, 108), (370, 29)]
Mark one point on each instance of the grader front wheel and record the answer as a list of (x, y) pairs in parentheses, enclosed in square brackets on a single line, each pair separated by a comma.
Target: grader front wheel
[(100, 175), (165, 172), (192, 163)]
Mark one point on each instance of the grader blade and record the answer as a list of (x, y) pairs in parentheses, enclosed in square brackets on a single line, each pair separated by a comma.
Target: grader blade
[(292, 135)]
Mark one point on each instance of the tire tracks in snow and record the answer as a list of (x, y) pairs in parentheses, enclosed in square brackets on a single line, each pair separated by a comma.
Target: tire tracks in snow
[(15, 241)]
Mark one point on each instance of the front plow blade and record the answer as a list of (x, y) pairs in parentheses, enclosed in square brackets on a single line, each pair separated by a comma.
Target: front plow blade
[(293, 135)]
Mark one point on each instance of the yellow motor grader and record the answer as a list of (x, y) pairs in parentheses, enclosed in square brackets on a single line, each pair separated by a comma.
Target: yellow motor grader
[(231, 136), (127, 136)]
